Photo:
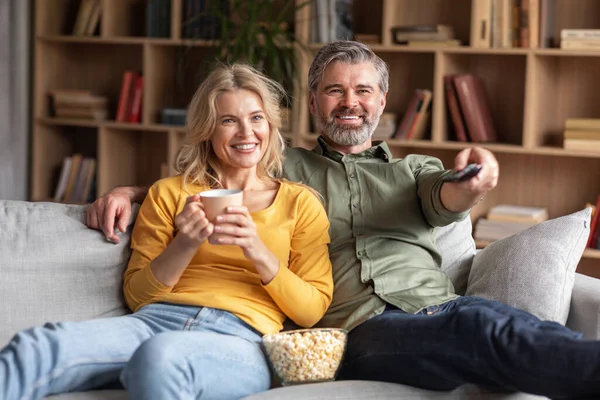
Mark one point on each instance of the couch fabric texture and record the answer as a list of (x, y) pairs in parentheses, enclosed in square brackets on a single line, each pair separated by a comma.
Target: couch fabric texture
[(53, 268)]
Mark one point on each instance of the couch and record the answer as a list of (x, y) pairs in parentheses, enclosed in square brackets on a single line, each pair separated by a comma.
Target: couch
[(54, 268)]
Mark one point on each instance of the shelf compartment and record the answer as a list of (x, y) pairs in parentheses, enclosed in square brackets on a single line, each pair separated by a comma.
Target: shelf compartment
[(561, 87), (175, 73), (455, 13), (503, 76), (64, 141), (575, 14), (130, 157), (122, 18), (98, 68)]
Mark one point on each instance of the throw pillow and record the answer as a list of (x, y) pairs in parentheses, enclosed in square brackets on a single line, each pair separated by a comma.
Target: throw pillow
[(456, 245), (533, 270)]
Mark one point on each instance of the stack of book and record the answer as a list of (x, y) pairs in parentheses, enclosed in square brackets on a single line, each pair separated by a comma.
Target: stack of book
[(505, 220), (386, 127), (80, 104), (582, 134), (580, 39), (469, 109), (424, 35), (76, 180), (414, 123)]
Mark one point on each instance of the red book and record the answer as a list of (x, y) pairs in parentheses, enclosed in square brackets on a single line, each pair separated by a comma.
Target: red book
[(475, 107), (123, 109), (593, 238), (454, 110), (136, 103)]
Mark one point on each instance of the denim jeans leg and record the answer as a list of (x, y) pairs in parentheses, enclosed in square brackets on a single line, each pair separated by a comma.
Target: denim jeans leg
[(70, 356), (217, 357), (473, 340)]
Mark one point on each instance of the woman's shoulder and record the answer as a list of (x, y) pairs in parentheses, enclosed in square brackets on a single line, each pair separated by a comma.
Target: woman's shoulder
[(176, 184), (303, 193)]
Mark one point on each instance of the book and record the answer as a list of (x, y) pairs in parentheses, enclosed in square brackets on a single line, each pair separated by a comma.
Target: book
[(581, 134), (580, 34), (433, 43), (475, 108), (126, 96), (582, 123), (481, 18), (417, 124), (589, 145), (86, 8), (580, 44), (454, 110), (509, 212), (408, 115)]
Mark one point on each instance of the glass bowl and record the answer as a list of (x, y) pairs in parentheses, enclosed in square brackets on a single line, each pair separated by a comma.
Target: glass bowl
[(305, 355)]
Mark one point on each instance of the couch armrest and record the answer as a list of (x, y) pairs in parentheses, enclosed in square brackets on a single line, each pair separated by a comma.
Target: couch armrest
[(584, 315)]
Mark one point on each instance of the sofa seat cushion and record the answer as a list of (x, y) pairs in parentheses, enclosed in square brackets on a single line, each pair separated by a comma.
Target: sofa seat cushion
[(367, 390), (54, 268)]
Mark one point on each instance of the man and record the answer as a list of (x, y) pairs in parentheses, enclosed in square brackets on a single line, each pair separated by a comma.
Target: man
[(406, 323)]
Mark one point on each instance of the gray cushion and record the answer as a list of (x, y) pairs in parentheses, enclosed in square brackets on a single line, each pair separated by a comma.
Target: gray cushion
[(56, 268), (534, 270), (457, 247), (365, 390)]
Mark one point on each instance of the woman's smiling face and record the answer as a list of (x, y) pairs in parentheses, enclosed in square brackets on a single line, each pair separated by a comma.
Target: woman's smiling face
[(241, 134)]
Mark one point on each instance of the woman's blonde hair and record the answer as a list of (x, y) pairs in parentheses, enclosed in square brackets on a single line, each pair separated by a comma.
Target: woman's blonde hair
[(196, 159)]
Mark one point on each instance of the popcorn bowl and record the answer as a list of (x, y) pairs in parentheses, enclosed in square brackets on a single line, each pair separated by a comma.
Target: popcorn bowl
[(305, 355)]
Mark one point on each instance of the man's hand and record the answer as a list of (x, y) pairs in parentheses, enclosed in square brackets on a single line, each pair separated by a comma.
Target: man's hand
[(460, 196), (113, 208)]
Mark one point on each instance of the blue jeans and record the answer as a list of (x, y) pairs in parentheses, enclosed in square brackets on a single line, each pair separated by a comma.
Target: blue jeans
[(474, 340), (163, 351)]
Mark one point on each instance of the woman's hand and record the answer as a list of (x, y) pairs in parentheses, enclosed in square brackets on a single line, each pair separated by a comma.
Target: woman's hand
[(192, 225), (237, 228)]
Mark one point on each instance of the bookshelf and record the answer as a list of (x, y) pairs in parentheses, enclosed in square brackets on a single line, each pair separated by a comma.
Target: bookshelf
[(532, 91)]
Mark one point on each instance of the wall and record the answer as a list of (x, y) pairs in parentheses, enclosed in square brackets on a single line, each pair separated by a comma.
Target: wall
[(14, 98)]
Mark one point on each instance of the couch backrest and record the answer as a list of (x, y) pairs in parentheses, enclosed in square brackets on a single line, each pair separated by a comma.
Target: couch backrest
[(54, 268)]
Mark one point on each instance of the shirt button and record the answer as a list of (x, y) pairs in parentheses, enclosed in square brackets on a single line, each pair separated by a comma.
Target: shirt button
[(353, 175), (361, 253), (356, 205)]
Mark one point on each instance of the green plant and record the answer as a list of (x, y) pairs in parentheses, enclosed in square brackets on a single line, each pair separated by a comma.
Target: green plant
[(259, 32)]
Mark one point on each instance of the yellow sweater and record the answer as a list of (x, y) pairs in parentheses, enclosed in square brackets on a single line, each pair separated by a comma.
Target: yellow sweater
[(295, 228)]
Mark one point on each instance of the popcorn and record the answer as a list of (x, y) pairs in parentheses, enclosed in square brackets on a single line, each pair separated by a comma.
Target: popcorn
[(306, 355)]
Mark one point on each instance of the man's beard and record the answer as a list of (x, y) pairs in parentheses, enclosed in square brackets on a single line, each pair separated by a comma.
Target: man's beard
[(347, 135)]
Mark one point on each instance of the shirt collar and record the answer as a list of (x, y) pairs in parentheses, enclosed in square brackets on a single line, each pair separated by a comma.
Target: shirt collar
[(379, 150)]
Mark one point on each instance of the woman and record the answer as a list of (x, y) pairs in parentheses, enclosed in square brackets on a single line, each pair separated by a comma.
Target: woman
[(199, 308)]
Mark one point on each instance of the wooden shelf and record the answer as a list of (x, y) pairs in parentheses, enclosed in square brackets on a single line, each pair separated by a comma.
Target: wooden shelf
[(532, 91)]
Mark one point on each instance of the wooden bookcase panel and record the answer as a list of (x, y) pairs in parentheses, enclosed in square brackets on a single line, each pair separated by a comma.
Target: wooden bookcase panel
[(130, 157), (576, 14), (172, 76), (55, 17), (123, 18), (97, 67), (53, 144), (532, 180), (503, 76), (561, 87), (456, 13)]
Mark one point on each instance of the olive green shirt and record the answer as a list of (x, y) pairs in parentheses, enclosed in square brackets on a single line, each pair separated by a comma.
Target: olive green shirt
[(382, 213)]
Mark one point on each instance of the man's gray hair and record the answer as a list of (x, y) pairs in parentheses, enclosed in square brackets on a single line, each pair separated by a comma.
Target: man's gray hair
[(347, 52)]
